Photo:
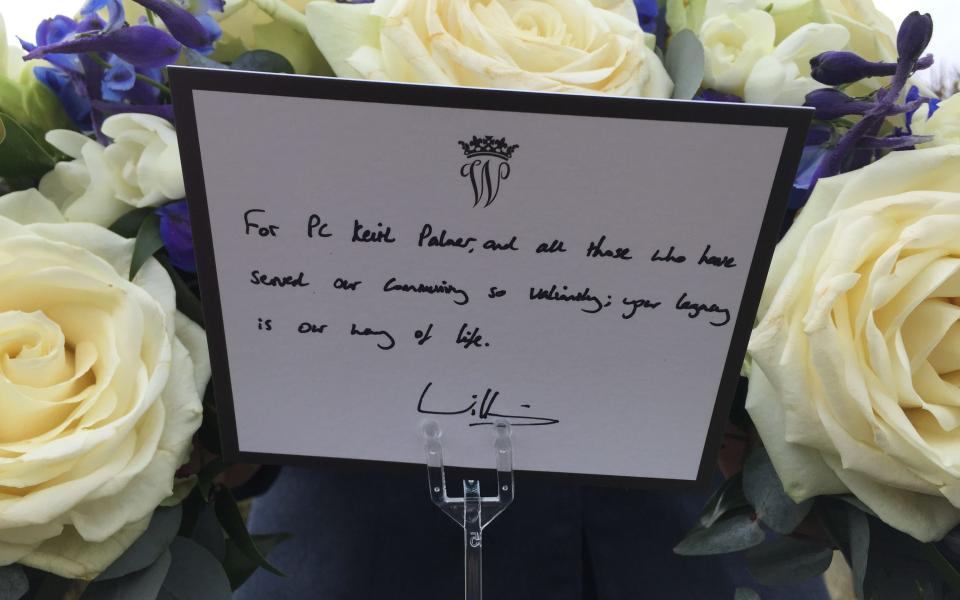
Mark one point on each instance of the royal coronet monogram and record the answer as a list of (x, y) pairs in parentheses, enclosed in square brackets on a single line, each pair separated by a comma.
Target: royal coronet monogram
[(489, 165)]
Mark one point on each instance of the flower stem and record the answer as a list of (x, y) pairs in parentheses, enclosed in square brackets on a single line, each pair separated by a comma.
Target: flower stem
[(147, 80), (150, 17)]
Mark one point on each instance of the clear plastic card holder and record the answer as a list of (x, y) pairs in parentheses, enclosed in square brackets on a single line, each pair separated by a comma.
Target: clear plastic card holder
[(472, 511)]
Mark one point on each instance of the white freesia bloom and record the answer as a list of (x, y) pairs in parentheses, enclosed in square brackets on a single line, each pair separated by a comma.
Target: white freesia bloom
[(767, 59), (543, 45), (783, 77), (141, 167), (855, 385), (944, 125), (100, 387), (733, 42)]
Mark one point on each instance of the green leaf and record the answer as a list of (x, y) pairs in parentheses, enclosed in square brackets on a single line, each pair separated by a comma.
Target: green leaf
[(145, 583), (207, 475), (684, 62), (232, 522), (187, 302), (743, 593), (943, 566), (129, 223), (148, 242), (728, 497), (13, 582), (194, 574), (787, 560), (764, 491), (239, 566), (731, 534), (262, 60), (207, 532), (44, 109), (149, 546), (21, 155)]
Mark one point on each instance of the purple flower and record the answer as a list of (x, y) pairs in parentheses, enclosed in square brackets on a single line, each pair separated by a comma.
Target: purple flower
[(193, 31), (914, 36), (68, 88), (115, 13), (54, 31), (647, 12), (833, 104), (709, 95), (118, 79), (840, 67), (139, 45), (176, 234)]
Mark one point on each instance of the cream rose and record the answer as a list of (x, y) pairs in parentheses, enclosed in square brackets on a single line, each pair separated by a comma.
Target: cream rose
[(542, 45), (855, 385), (140, 168), (944, 125), (100, 387)]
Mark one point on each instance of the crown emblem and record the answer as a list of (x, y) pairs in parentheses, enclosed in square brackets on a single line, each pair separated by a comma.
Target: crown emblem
[(488, 146)]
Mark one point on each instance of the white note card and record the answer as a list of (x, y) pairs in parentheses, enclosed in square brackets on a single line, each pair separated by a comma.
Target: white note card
[(373, 256)]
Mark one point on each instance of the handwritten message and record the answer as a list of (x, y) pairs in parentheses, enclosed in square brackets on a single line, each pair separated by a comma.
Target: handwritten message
[(579, 277)]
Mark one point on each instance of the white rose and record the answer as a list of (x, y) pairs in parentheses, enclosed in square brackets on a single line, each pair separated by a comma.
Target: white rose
[(855, 386), (140, 168), (541, 45), (733, 42), (783, 77), (100, 387), (944, 125)]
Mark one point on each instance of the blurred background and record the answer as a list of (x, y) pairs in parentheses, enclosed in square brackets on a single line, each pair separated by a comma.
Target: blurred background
[(22, 17)]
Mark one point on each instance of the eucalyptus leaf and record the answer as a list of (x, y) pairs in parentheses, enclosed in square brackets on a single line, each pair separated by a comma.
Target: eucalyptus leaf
[(194, 574), (859, 544), (684, 62), (129, 223), (239, 566), (232, 522), (786, 560), (742, 593), (13, 582), (149, 546), (144, 584), (764, 491), (148, 241), (730, 534), (195, 59), (728, 497), (21, 155), (262, 60)]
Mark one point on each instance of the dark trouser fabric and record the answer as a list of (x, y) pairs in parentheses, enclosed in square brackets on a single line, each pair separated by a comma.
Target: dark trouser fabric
[(370, 536)]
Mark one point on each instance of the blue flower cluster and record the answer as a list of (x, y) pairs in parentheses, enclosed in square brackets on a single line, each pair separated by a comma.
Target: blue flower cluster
[(103, 66), (863, 141)]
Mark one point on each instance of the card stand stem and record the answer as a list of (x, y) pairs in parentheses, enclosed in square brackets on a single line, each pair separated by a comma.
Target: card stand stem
[(473, 512)]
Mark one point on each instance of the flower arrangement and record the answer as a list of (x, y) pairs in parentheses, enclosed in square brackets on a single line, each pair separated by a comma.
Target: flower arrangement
[(845, 433)]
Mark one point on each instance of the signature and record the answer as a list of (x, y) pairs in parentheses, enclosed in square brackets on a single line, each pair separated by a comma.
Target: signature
[(482, 408)]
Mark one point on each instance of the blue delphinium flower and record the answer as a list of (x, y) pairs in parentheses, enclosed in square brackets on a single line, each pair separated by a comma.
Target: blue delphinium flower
[(118, 79), (176, 235), (188, 20), (69, 89), (647, 13)]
